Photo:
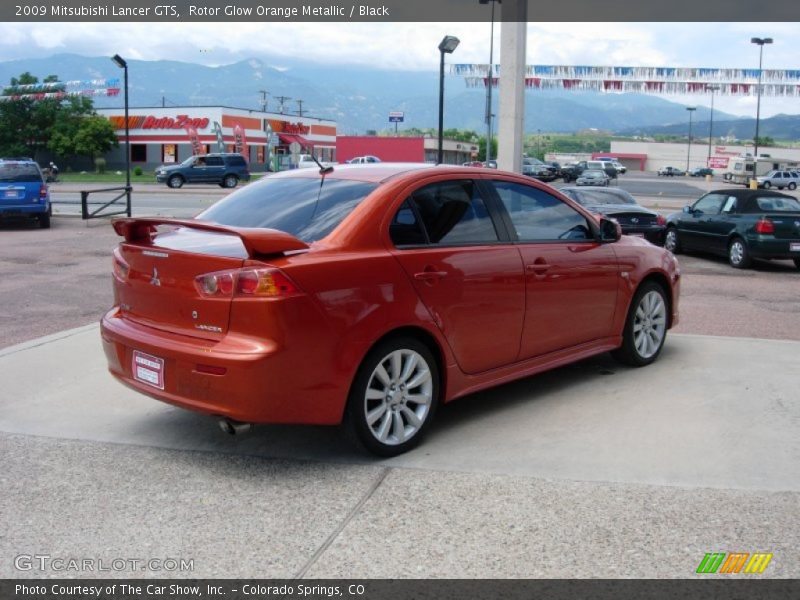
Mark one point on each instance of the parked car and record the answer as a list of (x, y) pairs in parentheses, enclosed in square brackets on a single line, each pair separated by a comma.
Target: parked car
[(572, 171), (671, 172), (23, 191), (619, 167), (533, 167), (555, 168), (363, 160), (306, 161), (778, 179), (615, 203), (472, 163), (226, 170), (592, 177), (741, 224), (492, 164), (701, 172), (406, 287)]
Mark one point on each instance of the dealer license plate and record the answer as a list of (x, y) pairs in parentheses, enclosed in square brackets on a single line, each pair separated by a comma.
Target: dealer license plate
[(11, 194), (148, 369), (794, 247)]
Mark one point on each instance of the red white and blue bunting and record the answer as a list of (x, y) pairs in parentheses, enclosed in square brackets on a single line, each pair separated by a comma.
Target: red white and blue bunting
[(643, 80)]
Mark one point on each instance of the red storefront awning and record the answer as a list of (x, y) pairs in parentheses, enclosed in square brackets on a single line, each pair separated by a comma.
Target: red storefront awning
[(288, 138)]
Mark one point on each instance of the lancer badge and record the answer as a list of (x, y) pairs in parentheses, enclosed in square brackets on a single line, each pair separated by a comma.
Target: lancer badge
[(154, 280)]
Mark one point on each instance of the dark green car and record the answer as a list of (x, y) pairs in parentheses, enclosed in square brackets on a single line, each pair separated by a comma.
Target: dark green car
[(740, 224)]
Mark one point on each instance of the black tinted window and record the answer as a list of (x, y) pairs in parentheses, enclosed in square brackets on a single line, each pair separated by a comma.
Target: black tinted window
[(453, 212), (19, 173), (214, 161), (539, 216), (299, 206), (236, 161), (405, 229)]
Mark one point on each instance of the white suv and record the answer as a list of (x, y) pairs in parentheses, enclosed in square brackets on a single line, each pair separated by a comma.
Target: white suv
[(778, 179)]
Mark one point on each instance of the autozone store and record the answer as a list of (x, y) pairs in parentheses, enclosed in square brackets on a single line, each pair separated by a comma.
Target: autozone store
[(163, 135)]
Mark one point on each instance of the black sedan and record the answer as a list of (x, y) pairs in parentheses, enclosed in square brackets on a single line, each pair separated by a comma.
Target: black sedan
[(740, 224), (619, 205)]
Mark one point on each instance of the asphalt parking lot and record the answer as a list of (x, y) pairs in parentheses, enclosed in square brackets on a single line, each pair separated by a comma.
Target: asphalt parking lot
[(592, 470)]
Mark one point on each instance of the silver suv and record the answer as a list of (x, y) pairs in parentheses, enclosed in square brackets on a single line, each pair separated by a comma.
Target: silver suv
[(778, 179)]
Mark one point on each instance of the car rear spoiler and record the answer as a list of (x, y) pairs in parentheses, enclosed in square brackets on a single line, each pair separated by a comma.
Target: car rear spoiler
[(256, 241)]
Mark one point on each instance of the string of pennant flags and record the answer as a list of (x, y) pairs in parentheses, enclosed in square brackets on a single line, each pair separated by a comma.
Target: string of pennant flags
[(643, 80), (646, 87), (62, 94), (75, 83), (666, 74)]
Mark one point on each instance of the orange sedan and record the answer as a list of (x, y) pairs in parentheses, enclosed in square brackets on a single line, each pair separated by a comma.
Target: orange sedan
[(368, 295)]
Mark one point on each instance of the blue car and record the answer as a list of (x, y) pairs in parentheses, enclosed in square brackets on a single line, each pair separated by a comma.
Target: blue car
[(23, 191)]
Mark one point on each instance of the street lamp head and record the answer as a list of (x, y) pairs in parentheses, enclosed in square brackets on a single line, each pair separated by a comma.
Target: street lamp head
[(691, 108), (448, 44), (119, 61), (760, 41), (712, 88)]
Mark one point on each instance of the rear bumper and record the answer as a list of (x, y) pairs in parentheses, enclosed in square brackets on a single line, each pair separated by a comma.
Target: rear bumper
[(16, 210), (654, 234), (261, 382), (772, 248)]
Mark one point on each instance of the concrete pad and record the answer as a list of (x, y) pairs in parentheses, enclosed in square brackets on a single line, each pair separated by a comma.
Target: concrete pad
[(232, 516), (421, 524), (711, 412)]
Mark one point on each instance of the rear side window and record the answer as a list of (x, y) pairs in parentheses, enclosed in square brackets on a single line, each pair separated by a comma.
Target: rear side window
[(539, 216), (236, 161), (20, 173), (777, 204), (306, 208), (214, 161), (453, 212)]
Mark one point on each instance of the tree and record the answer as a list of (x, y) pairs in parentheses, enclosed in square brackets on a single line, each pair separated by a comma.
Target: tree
[(27, 124), (765, 141), (83, 135)]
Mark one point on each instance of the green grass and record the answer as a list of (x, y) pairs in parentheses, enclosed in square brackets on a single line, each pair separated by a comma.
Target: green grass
[(107, 177)]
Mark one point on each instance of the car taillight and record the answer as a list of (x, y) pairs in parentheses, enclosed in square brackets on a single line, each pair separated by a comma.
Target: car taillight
[(661, 220), (121, 268), (765, 226), (245, 283), (42, 191)]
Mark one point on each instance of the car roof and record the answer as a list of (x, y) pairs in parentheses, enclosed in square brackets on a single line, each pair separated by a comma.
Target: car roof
[(746, 193), (383, 171)]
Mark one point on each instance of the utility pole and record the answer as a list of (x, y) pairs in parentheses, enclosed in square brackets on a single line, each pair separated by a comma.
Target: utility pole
[(264, 94), (299, 108), (281, 100)]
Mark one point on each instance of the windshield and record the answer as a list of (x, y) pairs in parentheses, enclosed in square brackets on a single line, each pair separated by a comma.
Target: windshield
[(298, 206), (19, 173), (593, 197)]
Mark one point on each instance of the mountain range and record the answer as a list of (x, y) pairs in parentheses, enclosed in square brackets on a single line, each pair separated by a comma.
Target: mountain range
[(359, 98)]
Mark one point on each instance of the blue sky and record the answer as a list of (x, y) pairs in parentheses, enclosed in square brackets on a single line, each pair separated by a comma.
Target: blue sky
[(413, 46)]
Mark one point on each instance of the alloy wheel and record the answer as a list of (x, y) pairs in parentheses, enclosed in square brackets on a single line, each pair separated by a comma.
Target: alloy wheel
[(650, 324), (398, 397)]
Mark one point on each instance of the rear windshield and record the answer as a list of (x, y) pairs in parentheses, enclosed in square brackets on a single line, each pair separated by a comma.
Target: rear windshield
[(777, 204), (308, 209), (19, 173), (598, 197)]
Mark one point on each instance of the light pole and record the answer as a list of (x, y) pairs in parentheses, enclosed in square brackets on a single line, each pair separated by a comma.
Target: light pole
[(448, 44), (489, 85), (712, 89), (760, 42), (120, 62), (691, 109)]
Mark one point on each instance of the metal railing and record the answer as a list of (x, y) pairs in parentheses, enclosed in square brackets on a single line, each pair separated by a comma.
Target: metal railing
[(125, 193)]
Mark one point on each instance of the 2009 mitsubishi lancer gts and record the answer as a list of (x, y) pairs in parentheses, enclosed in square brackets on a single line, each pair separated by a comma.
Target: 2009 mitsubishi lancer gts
[(367, 295)]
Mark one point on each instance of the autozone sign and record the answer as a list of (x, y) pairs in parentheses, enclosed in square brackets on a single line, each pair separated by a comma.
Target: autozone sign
[(153, 122)]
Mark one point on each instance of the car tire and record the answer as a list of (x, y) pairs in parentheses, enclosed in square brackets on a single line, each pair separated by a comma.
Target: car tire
[(44, 220), (672, 240), (381, 415), (738, 254), (767, 185), (645, 327), (175, 182), (230, 181), (792, 186), (797, 262)]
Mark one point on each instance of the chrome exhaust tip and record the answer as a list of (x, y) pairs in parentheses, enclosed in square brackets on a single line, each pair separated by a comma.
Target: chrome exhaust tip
[(234, 427)]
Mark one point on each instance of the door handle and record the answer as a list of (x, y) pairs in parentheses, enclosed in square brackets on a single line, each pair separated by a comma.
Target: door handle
[(538, 267), (430, 275)]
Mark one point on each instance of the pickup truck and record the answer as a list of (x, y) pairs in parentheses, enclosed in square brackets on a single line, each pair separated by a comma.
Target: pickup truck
[(571, 172), (306, 162)]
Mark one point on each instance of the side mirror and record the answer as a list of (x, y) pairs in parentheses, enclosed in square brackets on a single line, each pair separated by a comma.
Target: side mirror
[(688, 210), (610, 231)]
